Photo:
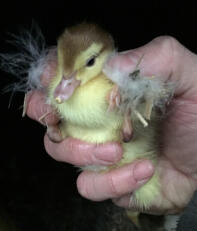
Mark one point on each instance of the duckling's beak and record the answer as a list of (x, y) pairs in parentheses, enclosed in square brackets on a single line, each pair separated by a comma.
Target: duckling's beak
[(66, 88)]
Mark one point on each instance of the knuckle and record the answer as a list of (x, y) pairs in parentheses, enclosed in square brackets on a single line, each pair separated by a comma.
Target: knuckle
[(169, 47), (166, 41), (168, 44), (71, 147), (113, 187)]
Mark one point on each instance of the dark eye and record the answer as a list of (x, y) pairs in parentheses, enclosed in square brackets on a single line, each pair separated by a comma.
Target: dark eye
[(91, 62)]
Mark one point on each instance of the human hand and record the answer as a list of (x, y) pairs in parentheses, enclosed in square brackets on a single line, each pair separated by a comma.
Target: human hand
[(68, 150), (166, 58)]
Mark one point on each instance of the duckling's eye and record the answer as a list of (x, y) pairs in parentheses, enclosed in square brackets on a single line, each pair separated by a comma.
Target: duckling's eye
[(91, 62)]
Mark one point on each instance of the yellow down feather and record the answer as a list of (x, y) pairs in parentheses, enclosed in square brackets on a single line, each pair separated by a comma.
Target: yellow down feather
[(85, 116)]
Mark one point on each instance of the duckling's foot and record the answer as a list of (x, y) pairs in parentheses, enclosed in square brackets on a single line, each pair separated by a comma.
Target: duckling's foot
[(127, 129), (113, 98), (54, 133)]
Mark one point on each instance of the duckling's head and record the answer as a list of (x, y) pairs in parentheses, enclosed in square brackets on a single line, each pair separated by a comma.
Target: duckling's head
[(82, 51)]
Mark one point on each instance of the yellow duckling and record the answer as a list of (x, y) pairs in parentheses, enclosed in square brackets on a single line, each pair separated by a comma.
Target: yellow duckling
[(97, 109), (96, 103)]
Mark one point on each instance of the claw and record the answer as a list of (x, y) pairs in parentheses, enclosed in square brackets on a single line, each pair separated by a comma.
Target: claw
[(127, 129), (113, 98), (148, 109)]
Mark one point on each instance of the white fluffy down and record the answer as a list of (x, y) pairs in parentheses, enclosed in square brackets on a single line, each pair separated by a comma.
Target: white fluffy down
[(28, 62), (136, 89), (32, 57), (171, 222)]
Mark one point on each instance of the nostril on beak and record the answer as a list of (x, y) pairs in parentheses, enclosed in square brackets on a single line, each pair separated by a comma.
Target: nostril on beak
[(69, 76), (65, 77)]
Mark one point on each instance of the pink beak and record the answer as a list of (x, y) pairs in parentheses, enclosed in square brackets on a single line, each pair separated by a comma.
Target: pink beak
[(66, 88)]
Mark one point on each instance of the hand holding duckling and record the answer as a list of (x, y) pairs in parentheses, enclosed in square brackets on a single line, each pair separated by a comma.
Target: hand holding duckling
[(177, 161)]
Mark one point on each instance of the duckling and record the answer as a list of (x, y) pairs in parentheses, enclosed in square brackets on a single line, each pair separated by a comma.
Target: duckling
[(99, 105), (96, 103)]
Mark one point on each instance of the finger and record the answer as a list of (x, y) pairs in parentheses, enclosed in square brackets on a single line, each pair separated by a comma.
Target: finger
[(163, 57), (115, 183), (37, 107), (81, 153), (155, 58), (50, 69)]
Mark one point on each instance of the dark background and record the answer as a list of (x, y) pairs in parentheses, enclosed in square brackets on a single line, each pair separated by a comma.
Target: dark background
[(36, 191)]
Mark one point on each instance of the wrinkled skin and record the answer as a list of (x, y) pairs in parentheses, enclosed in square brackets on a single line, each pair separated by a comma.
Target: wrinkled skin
[(168, 59)]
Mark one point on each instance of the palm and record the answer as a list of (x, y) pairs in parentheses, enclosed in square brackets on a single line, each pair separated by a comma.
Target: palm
[(177, 166), (177, 162), (166, 58)]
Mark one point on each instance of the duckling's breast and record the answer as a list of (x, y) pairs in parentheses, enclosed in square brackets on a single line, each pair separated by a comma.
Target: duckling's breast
[(85, 113)]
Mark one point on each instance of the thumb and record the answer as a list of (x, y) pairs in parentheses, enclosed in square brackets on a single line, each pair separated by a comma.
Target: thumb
[(163, 57)]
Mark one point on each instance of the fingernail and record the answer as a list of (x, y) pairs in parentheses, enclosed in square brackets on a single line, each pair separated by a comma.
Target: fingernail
[(110, 154), (143, 171)]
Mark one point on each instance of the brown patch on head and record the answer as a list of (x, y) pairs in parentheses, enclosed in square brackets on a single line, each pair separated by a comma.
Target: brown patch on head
[(78, 38)]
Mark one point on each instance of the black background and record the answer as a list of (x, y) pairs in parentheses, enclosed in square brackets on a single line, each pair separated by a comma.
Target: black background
[(31, 183)]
